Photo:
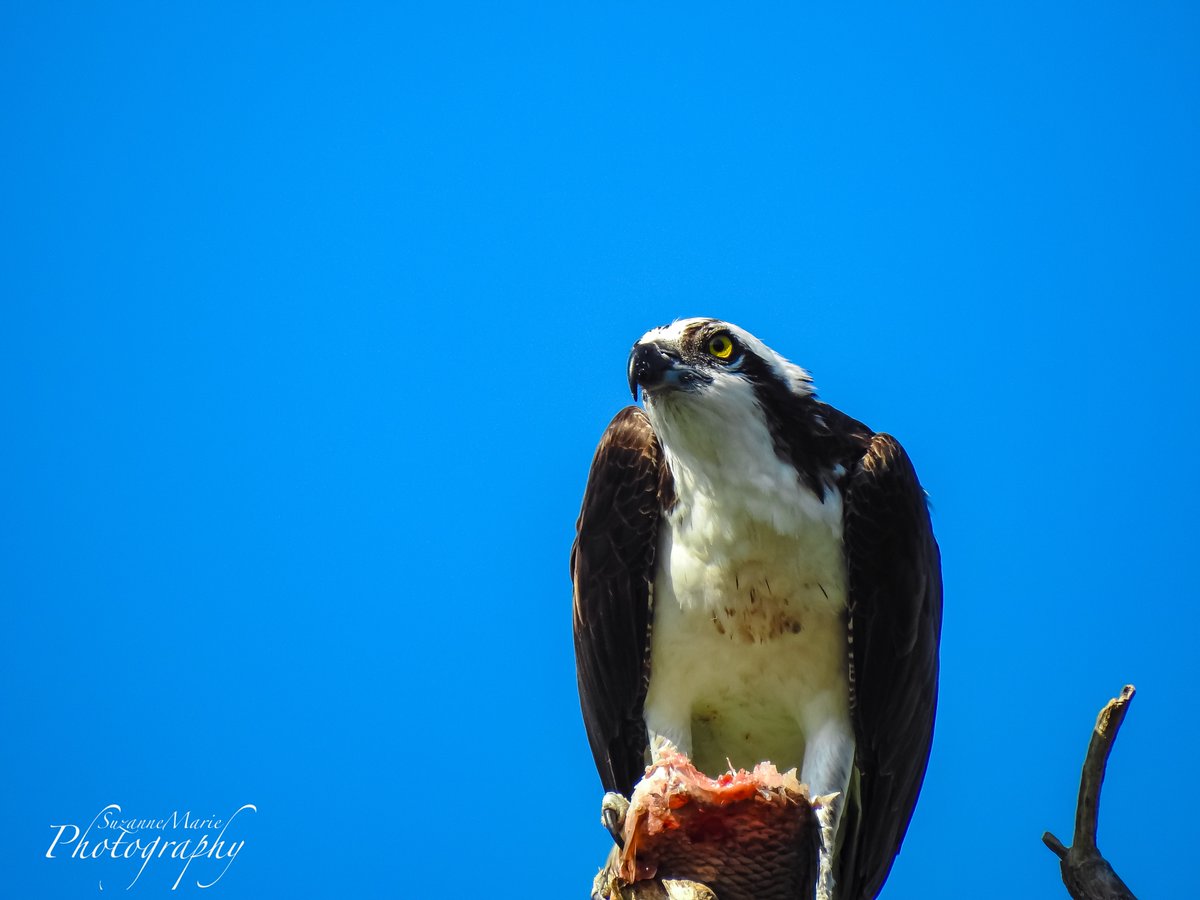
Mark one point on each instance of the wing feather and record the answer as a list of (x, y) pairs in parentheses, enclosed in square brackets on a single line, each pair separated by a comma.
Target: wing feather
[(895, 619), (612, 569)]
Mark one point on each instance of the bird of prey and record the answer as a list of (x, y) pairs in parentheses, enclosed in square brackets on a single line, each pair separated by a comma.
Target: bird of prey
[(756, 578)]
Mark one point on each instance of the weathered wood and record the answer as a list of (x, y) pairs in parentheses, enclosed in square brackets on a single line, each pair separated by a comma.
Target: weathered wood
[(610, 886), (1085, 872)]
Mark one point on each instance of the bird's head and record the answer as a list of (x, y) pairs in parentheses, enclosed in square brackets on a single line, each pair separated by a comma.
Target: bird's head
[(721, 402), (694, 359)]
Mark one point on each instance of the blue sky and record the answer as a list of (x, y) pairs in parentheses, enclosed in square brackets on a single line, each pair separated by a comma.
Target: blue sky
[(313, 317)]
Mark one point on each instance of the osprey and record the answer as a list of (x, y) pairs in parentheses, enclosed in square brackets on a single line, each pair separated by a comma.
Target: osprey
[(756, 578)]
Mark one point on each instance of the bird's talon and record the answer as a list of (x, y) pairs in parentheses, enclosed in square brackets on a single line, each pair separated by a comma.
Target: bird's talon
[(612, 816)]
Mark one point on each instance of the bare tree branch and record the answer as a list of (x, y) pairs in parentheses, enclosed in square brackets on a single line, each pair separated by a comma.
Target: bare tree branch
[(1085, 872)]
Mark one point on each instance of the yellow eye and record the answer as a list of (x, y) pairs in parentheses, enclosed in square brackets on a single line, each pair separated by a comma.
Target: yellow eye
[(720, 346)]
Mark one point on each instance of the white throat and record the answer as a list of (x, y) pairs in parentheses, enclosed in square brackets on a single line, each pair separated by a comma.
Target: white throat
[(722, 457)]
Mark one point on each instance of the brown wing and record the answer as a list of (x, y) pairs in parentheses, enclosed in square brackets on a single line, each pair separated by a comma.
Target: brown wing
[(895, 588), (612, 568)]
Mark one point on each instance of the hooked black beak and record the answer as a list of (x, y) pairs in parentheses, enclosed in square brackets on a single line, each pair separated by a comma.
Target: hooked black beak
[(651, 366)]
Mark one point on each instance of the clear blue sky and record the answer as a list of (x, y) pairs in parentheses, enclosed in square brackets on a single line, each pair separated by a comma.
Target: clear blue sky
[(313, 315)]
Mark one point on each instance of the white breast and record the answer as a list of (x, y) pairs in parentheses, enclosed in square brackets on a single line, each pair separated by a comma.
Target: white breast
[(748, 644)]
